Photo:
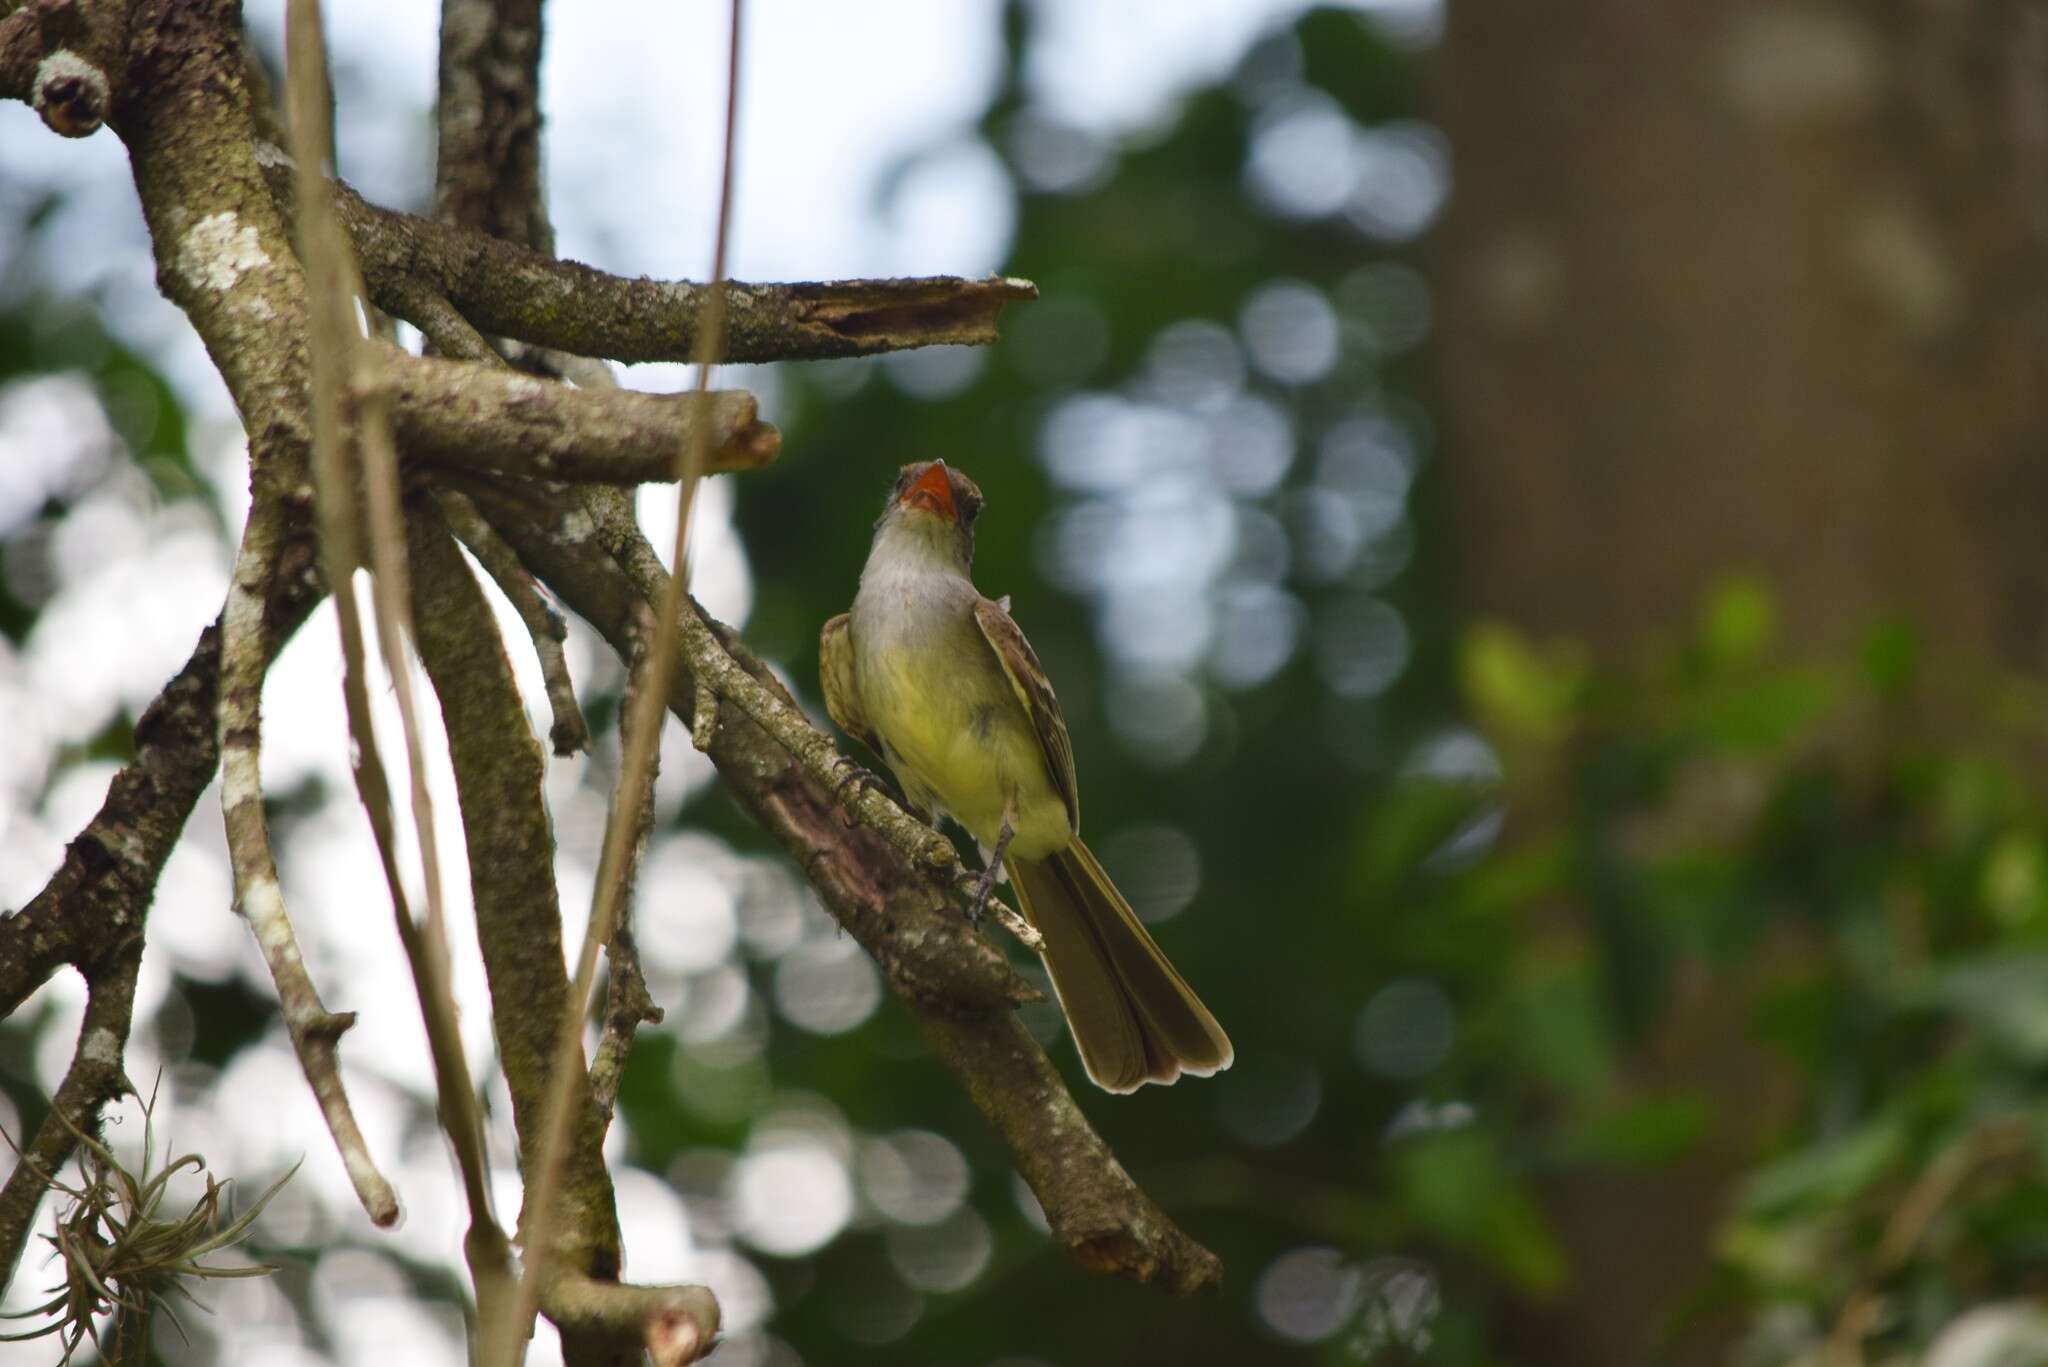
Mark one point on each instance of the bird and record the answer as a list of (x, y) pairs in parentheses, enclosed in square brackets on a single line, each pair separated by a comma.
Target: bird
[(940, 683)]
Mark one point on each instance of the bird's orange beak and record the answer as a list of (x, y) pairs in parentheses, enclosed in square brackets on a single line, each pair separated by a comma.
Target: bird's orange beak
[(933, 492)]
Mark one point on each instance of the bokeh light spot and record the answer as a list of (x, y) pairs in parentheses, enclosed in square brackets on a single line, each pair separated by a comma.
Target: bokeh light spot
[(1406, 1029), (1256, 630), (687, 921), (1251, 445), (1161, 718), (946, 1256), (1308, 1294), (1267, 1101), (914, 1177), (1361, 647), (827, 986), (1052, 157), (1291, 331), (1403, 175), (790, 1197), (1422, 1116), (1302, 163), (1157, 866), (1194, 364)]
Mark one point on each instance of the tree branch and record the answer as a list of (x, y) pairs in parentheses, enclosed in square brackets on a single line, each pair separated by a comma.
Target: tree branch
[(487, 172), (92, 909), (63, 56), (489, 182), (338, 352), (627, 1003), (498, 771), (675, 1324), (492, 418), (508, 290), (315, 1031), (547, 628), (94, 1078)]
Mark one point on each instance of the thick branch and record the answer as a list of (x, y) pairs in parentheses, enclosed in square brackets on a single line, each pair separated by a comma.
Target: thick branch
[(218, 246), (222, 252), (488, 117), (511, 291), (897, 912), (498, 773), (492, 418)]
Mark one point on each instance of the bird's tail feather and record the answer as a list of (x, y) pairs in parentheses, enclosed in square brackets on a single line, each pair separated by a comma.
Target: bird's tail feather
[(1134, 1018)]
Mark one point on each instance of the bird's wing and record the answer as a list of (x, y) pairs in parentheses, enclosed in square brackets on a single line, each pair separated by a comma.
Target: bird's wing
[(842, 690), (1034, 690)]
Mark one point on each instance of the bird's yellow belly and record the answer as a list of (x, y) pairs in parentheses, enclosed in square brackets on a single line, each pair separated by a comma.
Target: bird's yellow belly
[(971, 749)]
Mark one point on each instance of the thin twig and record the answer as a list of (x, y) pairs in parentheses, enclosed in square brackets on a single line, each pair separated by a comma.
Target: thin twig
[(337, 350), (443, 325), (642, 738), (545, 627), (627, 1002), (315, 1031), (1937, 1184), (627, 1006)]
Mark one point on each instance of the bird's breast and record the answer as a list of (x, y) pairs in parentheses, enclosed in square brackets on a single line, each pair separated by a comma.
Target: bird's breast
[(934, 691)]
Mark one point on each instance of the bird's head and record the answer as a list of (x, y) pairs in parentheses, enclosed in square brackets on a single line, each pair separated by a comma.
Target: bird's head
[(932, 504)]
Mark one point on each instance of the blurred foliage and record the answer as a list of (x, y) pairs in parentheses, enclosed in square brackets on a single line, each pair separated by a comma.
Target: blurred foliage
[(1732, 819)]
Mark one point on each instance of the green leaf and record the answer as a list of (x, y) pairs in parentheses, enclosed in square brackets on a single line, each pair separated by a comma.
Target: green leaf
[(2014, 881), (1827, 1174), (1739, 622), (1644, 1132), (1413, 823), (1563, 1031), (2003, 995), (1523, 694)]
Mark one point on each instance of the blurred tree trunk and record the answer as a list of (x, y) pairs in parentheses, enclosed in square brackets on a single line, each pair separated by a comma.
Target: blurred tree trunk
[(1749, 287), (1739, 288)]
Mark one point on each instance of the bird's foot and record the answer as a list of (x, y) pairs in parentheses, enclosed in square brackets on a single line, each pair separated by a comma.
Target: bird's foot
[(979, 887), (856, 777)]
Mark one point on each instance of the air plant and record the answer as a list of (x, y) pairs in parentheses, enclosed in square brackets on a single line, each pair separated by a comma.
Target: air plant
[(121, 1256)]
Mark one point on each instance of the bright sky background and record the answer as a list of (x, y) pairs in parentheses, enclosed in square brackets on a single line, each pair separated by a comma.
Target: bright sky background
[(631, 138)]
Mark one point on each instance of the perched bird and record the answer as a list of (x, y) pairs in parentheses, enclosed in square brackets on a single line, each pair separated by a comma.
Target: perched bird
[(939, 682)]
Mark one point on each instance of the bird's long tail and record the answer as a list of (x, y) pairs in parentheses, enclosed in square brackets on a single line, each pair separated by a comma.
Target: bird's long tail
[(1135, 1020)]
